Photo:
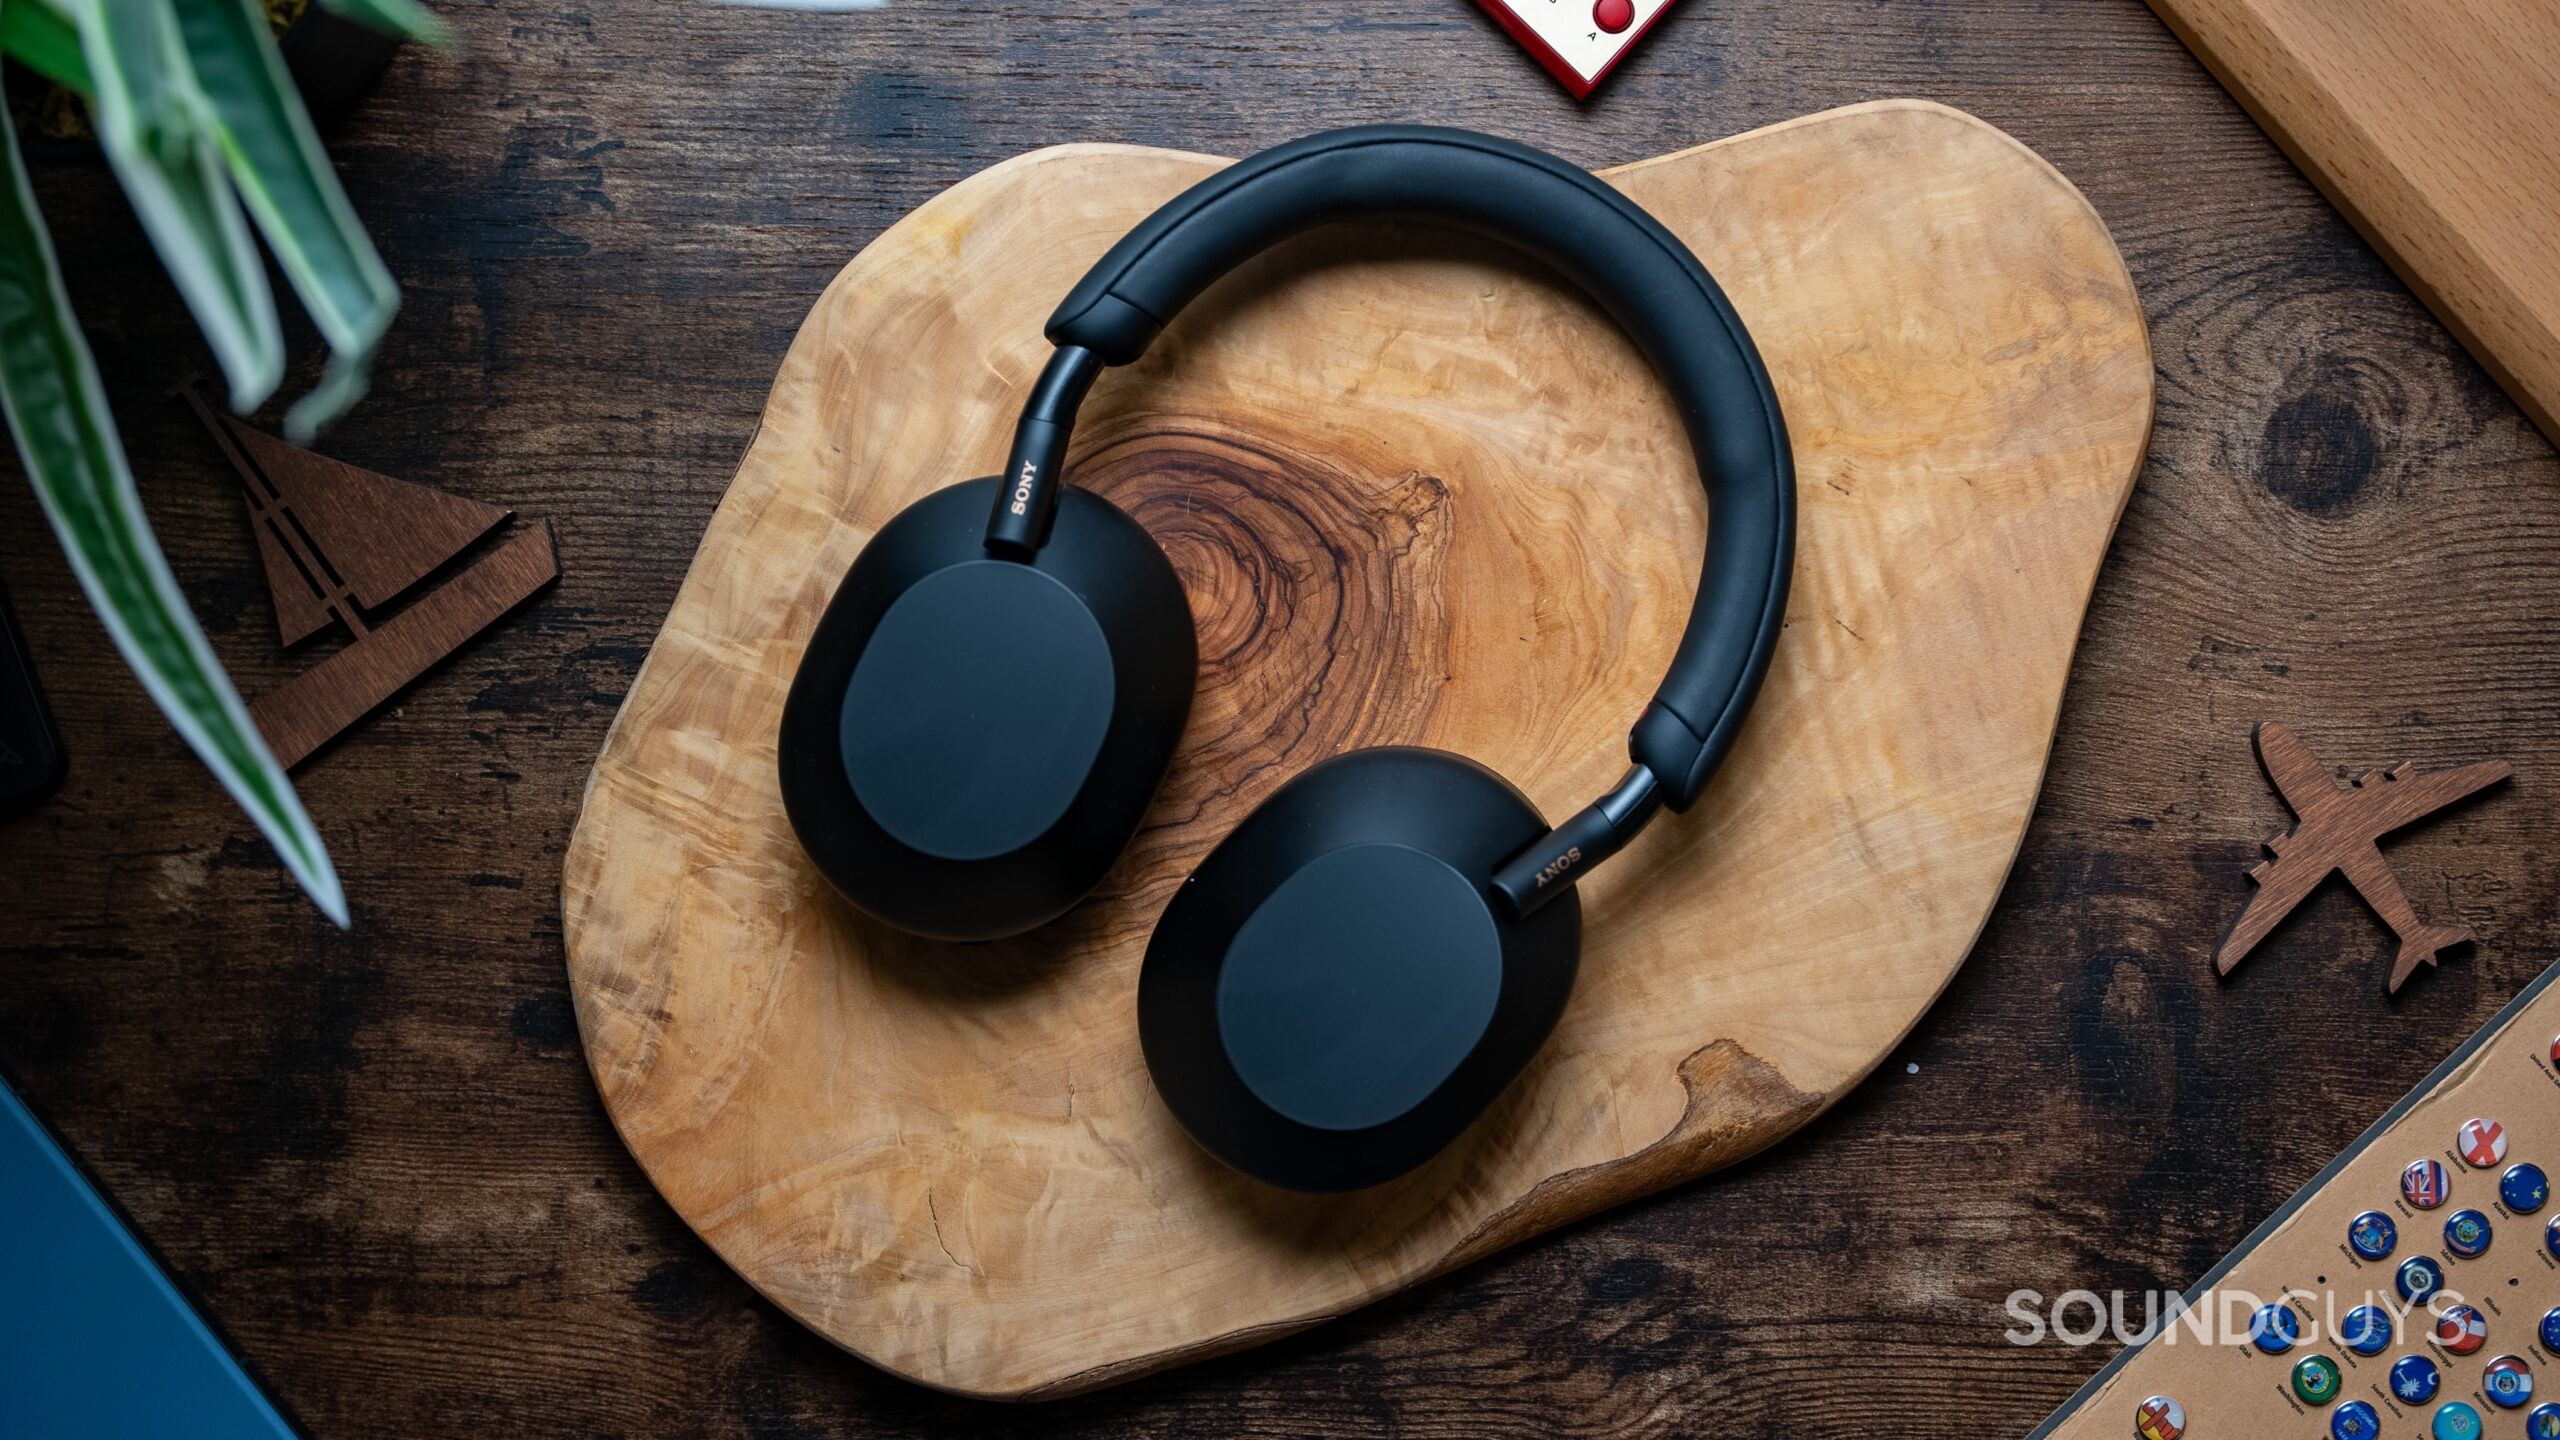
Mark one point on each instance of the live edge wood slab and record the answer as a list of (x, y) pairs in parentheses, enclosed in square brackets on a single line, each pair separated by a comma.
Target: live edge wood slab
[(1418, 494)]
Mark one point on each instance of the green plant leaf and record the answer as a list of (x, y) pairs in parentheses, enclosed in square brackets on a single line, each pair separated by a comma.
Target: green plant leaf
[(44, 40), (284, 177), (405, 18), (58, 412), (157, 134)]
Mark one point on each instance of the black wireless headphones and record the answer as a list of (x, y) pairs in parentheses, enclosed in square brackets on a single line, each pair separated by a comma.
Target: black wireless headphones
[(1374, 954)]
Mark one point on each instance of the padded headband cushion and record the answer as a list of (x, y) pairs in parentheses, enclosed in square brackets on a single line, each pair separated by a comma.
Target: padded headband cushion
[(1639, 272)]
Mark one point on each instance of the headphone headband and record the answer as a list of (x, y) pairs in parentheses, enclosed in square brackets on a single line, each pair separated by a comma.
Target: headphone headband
[(1638, 271)]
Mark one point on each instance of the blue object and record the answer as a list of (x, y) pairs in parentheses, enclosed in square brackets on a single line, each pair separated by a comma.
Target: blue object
[(2543, 1423), (2524, 1188), (2456, 1421), (2274, 1329), (2551, 1236), (2354, 1420), (2414, 1379), (2367, 1329), (2467, 1234), (94, 1339), (2421, 1277), (2372, 1235), (2551, 1332)]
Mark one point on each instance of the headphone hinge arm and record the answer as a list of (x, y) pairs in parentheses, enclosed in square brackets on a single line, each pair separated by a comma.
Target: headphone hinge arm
[(1593, 834), (1027, 492)]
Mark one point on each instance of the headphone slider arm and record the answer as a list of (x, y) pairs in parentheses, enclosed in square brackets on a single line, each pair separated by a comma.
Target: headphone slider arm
[(1599, 830), (1027, 500)]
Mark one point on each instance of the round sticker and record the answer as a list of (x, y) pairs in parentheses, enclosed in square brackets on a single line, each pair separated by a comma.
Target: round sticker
[(2461, 1330), (2425, 1184), (2414, 1379), (2467, 1234), (2372, 1235), (2524, 1188), (2543, 1423), (2419, 1279), (2481, 1142), (2456, 1421), (2367, 1329), (2160, 1418), (2507, 1382), (2315, 1380), (2274, 1329), (2355, 1420)]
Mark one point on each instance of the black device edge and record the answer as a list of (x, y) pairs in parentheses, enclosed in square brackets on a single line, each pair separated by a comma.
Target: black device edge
[(18, 675)]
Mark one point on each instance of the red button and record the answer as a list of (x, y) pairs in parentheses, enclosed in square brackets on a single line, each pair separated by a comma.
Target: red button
[(1614, 16)]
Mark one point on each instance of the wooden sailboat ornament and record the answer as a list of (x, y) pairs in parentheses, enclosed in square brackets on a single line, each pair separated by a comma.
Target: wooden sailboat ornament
[(341, 544)]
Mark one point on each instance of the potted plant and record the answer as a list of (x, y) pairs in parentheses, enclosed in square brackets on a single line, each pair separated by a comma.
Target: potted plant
[(332, 60), (203, 128)]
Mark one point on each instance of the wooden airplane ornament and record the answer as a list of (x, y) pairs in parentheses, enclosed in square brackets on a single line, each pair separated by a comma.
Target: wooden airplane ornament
[(340, 544), (2337, 830)]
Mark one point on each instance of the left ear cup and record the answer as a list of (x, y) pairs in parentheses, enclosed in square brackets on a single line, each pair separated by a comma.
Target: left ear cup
[(971, 741), (1338, 991)]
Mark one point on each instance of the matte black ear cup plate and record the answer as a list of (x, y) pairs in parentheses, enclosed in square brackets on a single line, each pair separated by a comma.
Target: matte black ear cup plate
[(1337, 993), (1359, 986), (970, 742), (977, 710)]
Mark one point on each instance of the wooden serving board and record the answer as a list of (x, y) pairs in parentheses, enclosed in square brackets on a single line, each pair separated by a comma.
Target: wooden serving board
[(1418, 493), (2435, 126)]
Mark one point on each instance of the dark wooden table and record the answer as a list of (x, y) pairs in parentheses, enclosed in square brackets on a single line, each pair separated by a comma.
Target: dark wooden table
[(377, 1157)]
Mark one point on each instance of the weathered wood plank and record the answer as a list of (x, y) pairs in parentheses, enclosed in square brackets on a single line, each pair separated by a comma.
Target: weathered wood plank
[(379, 1158)]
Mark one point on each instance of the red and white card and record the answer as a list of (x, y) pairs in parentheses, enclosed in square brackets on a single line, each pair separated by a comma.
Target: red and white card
[(1579, 41)]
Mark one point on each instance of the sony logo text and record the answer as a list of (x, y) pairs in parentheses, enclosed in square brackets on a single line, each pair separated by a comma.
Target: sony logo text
[(1561, 864)]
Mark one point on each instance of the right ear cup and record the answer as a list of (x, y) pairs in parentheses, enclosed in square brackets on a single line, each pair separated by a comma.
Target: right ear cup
[(971, 741), (1337, 992)]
